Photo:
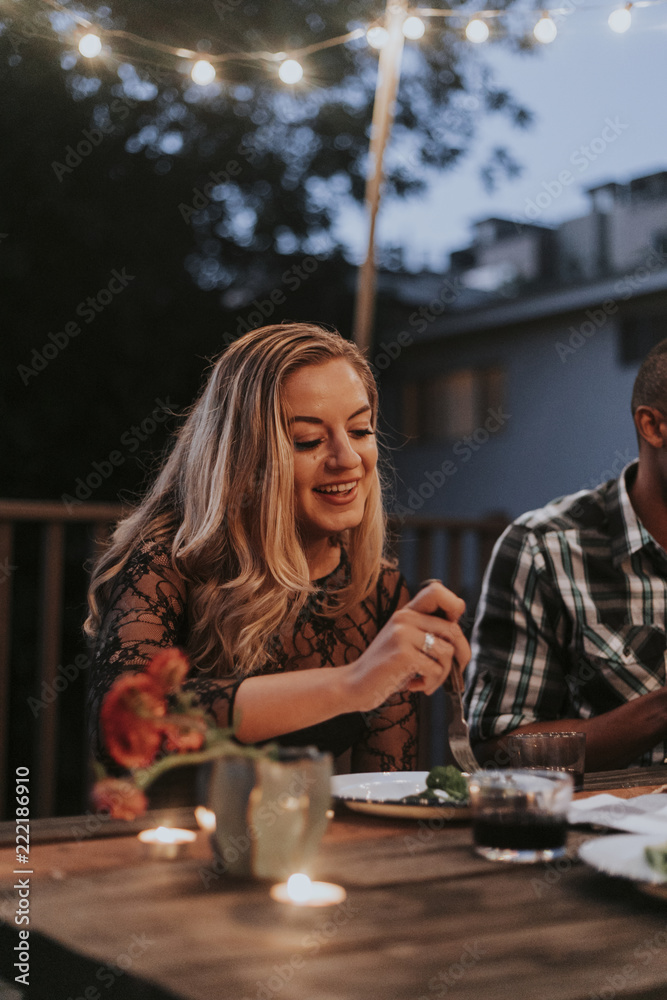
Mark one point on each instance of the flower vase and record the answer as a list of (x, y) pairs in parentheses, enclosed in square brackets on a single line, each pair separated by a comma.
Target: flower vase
[(270, 814)]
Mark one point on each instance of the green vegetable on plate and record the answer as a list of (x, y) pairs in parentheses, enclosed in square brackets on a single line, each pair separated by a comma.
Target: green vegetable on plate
[(450, 780), (656, 856), (444, 778)]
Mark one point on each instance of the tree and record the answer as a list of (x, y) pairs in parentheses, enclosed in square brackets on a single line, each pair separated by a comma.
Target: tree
[(201, 199), (125, 264)]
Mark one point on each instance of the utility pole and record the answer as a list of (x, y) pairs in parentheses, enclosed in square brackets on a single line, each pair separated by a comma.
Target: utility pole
[(386, 89)]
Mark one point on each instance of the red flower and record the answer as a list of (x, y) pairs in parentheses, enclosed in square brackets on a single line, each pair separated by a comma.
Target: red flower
[(118, 797), (169, 669), (131, 719)]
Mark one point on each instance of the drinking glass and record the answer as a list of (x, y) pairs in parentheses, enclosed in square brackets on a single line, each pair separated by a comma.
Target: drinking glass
[(520, 815), (550, 752)]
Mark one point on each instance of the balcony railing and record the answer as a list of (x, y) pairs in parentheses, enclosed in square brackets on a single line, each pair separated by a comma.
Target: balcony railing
[(44, 551)]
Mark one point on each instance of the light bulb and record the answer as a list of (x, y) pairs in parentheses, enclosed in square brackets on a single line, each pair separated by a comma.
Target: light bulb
[(477, 30), (413, 27), (290, 71), (620, 20), (545, 30), (90, 45), (377, 36), (202, 72)]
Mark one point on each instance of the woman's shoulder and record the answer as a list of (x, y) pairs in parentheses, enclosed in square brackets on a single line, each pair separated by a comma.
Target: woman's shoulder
[(149, 552), (391, 592), (390, 577), (149, 564)]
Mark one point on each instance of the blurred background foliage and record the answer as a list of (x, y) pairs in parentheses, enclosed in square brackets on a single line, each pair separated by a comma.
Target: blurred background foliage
[(204, 198)]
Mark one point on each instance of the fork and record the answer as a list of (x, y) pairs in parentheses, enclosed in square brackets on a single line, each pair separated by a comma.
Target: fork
[(458, 734)]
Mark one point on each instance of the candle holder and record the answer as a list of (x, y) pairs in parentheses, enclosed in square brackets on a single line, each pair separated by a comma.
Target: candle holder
[(300, 891), (166, 843)]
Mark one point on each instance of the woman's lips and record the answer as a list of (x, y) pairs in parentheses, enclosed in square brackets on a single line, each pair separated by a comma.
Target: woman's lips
[(338, 499)]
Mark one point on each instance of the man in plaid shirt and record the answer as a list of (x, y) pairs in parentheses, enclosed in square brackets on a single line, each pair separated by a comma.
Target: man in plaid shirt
[(570, 628)]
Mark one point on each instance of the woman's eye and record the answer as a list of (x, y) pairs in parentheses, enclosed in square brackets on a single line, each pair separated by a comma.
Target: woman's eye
[(362, 433), (306, 445)]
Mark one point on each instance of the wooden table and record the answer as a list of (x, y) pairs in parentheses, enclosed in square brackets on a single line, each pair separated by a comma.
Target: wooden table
[(424, 918)]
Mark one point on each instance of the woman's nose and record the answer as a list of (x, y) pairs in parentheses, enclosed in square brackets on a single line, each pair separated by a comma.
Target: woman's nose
[(342, 455)]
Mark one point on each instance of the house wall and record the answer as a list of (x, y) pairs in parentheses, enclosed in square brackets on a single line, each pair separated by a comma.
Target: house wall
[(566, 421), (633, 230)]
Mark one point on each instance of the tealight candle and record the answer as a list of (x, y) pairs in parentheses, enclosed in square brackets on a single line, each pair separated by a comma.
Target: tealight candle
[(300, 891), (166, 842), (205, 818)]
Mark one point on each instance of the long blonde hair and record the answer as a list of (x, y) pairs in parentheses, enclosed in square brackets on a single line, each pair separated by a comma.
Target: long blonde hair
[(224, 502)]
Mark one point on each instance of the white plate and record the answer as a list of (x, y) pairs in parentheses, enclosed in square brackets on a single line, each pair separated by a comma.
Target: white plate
[(622, 854), (375, 792)]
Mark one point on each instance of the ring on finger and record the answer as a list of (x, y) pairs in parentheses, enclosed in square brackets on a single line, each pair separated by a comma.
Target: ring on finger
[(428, 644)]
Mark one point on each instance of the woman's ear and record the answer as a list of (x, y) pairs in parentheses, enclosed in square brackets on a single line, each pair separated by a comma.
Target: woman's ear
[(651, 426)]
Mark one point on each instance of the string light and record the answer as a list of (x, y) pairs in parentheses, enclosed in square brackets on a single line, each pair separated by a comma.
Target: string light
[(90, 45), (477, 30), (413, 28), (377, 36), (290, 71), (621, 19), (203, 72), (545, 30)]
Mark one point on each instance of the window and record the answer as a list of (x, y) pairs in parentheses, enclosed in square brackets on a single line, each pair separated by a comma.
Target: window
[(637, 335), (660, 243), (448, 407)]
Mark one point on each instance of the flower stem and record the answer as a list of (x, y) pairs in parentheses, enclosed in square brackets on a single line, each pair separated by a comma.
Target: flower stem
[(224, 748)]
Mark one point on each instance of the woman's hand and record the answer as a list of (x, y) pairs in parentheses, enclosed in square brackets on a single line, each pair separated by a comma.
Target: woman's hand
[(401, 658)]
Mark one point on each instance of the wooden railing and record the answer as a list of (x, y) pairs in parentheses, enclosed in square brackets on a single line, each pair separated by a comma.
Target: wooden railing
[(38, 575), (454, 550), (43, 582)]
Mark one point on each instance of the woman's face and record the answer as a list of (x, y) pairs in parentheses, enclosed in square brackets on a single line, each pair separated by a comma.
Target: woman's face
[(335, 451)]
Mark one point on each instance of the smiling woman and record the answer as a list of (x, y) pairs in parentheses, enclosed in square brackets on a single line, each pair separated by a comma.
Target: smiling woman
[(260, 550), (335, 455)]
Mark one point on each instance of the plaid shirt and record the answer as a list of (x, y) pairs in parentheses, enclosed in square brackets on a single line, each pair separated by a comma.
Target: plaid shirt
[(571, 619)]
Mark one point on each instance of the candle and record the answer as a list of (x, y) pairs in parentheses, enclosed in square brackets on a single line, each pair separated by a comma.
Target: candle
[(206, 819), (166, 842), (300, 891)]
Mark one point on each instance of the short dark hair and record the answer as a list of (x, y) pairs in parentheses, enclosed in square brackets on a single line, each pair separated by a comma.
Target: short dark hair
[(650, 388)]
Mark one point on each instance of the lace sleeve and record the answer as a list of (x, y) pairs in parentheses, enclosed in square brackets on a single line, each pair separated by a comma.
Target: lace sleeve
[(390, 740), (145, 613)]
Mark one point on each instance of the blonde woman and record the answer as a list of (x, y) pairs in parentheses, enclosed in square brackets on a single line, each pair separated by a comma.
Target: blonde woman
[(259, 550)]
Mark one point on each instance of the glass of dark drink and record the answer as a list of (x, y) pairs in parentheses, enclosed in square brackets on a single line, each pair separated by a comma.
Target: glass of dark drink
[(520, 815), (551, 752)]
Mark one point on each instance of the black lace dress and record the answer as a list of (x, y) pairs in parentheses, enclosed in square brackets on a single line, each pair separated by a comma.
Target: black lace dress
[(148, 611)]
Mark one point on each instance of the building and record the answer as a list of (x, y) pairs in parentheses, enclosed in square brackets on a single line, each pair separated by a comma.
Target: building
[(507, 381)]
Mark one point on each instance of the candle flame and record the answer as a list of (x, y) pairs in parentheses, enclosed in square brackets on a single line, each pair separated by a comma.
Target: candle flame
[(166, 835), (299, 887), (206, 818)]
